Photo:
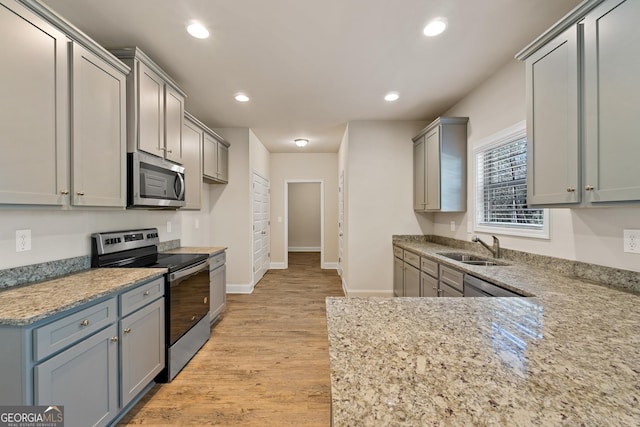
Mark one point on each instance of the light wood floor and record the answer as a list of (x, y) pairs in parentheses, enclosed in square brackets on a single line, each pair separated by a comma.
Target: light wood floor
[(266, 364)]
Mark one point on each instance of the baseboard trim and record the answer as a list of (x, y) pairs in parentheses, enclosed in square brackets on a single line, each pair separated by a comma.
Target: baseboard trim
[(239, 289), (277, 266), (330, 266), (366, 292), (304, 249), (344, 287)]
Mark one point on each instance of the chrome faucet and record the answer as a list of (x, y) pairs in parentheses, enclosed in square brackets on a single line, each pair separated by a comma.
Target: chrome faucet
[(495, 250)]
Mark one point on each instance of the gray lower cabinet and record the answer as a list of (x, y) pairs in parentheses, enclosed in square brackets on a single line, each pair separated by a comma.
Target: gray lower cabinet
[(398, 276), (94, 359), (411, 281), (406, 273), (582, 125), (429, 273), (440, 166), (84, 379), (451, 282), (218, 285)]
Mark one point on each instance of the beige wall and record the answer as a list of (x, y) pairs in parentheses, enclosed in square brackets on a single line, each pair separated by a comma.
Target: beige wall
[(379, 190), (589, 235), (260, 156), (299, 166), (304, 216)]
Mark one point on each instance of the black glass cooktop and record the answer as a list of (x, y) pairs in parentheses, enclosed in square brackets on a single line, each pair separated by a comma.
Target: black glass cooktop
[(175, 262)]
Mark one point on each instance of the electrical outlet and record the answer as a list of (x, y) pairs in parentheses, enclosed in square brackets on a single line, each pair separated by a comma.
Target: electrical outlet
[(168, 226), (23, 240), (632, 241)]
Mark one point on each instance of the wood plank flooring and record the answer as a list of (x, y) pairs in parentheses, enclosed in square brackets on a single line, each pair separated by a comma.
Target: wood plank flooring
[(266, 364)]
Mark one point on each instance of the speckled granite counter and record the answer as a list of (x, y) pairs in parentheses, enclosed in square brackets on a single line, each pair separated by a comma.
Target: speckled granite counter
[(26, 304), (568, 356), (209, 250)]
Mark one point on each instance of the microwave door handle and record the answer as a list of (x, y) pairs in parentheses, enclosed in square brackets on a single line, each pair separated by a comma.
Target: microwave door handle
[(181, 191)]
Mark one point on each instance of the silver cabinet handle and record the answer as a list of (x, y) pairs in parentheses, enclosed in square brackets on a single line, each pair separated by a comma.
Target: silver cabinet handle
[(114, 339), (80, 193), (127, 330), (571, 190), (588, 187), (146, 293), (85, 322), (193, 318), (64, 192)]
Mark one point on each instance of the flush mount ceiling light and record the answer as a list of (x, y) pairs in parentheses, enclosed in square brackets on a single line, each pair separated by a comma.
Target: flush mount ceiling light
[(241, 97), (435, 27), (300, 142), (391, 96), (197, 30)]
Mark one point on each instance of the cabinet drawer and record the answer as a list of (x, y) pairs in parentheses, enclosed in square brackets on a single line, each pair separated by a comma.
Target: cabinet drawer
[(217, 261), (57, 335), (428, 266), (397, 252), (136, 298), (411, 258), (451, 277)]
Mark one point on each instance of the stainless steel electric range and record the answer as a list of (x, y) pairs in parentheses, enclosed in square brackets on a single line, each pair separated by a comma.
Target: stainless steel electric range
[(186, 289)]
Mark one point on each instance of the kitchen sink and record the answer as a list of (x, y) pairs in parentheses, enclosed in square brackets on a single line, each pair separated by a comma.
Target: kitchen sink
[(471, 259)]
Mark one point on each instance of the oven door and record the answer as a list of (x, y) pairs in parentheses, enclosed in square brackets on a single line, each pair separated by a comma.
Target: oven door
[(188, 299)]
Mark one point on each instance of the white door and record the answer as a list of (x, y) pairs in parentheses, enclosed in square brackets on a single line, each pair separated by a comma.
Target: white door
[(340, 220), (261, 253)]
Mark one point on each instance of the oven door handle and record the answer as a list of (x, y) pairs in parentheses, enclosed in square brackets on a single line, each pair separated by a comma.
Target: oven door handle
[(188, 271)]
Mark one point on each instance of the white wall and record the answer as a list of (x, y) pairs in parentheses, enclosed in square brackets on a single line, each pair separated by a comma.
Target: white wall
[(304, 216), (260, 157), (593, 235), (292, 166), (379, 168), (57, 234)]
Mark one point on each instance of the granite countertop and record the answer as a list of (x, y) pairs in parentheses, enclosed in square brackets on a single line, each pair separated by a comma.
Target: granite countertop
[(26, 304), (567, 355), (209, 250)]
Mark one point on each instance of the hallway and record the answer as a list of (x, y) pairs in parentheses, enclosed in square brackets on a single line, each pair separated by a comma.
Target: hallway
[(266, 364)]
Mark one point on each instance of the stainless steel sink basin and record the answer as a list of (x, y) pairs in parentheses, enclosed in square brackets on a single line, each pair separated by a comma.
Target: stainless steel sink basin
[(471, 259)]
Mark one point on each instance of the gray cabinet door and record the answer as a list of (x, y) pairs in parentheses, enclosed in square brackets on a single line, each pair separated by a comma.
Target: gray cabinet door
[(192, 162), (432, 169), (428, 285), (418, 175), (398, 277), (612, 107), (210, 157), (84, 379), (223, 162), (34, 109), (141, 349), (150, 105), (173, 120), (411, 281), (217, 291), (99, 131), (553, 152)]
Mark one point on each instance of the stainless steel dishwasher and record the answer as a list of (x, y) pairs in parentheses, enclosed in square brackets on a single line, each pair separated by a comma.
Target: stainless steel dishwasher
[(475, 287)]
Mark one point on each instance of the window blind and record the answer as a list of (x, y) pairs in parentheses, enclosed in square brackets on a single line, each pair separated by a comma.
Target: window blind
[(502, 187)]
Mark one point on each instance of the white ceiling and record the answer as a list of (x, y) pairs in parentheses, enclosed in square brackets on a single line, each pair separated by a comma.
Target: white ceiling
[(310, 66)]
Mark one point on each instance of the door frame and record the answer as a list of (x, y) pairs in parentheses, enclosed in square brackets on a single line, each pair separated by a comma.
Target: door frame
[(286, 216)]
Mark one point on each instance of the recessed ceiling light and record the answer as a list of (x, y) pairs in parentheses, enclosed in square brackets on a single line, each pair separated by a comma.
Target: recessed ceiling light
[(198, 30), (391, 96), (435, 27), (241, 97), (300, 142)]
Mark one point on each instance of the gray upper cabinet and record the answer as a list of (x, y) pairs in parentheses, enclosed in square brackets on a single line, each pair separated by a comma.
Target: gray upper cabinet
[(98, 139), (440, 163), (155, 107), (582, 122), (192, 138), (215, 158), (34, 109)]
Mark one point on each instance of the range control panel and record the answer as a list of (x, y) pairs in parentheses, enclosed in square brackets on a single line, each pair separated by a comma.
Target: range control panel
[(116, 241)]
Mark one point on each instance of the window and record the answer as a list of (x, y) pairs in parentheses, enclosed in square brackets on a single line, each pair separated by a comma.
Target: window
[(501, 187)]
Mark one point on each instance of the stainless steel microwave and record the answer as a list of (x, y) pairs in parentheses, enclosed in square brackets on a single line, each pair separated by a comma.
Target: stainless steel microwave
[(154, 182)]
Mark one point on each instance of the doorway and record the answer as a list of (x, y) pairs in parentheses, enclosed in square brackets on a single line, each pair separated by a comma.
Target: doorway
[(304, 217)]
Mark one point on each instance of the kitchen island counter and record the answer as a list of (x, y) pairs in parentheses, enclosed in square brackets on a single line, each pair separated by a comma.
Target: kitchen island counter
[(568, 355)]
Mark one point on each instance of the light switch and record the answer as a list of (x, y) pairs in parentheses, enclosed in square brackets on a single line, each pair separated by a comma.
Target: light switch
[(168, 226)]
